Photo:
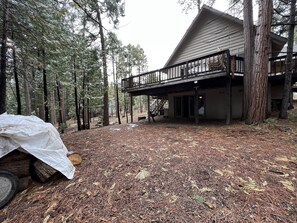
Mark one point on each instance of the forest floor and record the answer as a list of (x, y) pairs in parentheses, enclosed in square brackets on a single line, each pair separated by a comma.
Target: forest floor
[(172, 172)]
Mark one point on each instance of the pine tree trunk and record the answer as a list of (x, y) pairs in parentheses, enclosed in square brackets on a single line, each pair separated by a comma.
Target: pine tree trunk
[(63, 109), (88, 112), (77, 107), (3, 57), (59, 102), (249, 39), (105, 75), (116, 93), (258, 102), (288, 74), (45, 94), (40, 96), (41, 112), (34, 92), (26, 88), (16, 79), (291, 101), (118, 104), (83, 103), (53, 108), (60, 98)]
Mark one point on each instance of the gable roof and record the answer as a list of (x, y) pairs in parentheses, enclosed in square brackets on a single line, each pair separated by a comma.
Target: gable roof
[(206, 10)]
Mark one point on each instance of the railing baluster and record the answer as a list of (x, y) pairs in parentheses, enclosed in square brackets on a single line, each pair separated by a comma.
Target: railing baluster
[(198, 67), (187, 70)]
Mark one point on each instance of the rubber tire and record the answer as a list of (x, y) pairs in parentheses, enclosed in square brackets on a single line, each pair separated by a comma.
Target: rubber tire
[(14, 186)]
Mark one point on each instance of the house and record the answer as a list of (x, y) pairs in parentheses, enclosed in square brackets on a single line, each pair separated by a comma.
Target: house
[(203, 77)]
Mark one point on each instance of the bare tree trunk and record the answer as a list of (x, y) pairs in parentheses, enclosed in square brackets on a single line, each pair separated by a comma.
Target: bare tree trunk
[(34, 97), (40, 97), (288, 75), (16, 79), (63, 107), (257, 111), (61, 100), (105, 75), (45, 94), (291, 101), (26, 88), (116, 93), (77, 107), (3, 57), (88, 112), (53, 108), (61, 119), (84, 110), (41, 111), (118, 104), (249, 39), (86, 117)]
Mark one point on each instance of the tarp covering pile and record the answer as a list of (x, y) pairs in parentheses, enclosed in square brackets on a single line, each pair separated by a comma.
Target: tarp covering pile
[(36, 137)]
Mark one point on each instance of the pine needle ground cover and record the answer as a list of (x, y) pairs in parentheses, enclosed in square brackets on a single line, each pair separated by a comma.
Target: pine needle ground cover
[(164, 172)]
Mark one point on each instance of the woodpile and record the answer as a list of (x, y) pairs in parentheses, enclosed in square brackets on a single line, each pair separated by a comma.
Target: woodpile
[(18, 163), (43, 170)]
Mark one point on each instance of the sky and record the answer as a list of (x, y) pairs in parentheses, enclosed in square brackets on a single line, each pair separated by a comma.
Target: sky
[(157, 26)]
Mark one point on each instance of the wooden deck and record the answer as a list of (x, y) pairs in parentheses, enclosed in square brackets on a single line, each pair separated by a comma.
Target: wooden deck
[(215, 65)]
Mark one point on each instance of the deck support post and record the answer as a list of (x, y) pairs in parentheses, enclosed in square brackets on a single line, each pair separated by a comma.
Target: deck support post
[(196, 104), (131, 107), (148, 109), (228, 100)]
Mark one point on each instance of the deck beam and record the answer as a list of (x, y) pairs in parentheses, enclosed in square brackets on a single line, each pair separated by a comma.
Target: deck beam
[(148, 109), (131, 107), (196, 104)]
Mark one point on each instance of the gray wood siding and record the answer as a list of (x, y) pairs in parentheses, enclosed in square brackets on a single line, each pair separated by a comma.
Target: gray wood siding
[(211, 35)]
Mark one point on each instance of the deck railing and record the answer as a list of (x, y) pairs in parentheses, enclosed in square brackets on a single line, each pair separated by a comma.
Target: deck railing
[(220, 62), (210, 64), (278, 65)]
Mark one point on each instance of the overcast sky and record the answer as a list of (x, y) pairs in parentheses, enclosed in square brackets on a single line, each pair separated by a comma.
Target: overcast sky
[(157, 26)]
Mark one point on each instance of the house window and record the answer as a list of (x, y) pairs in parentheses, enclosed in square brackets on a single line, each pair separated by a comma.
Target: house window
[(184, 106)]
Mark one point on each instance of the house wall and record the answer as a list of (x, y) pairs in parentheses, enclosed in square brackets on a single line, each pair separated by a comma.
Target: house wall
[(277, 91), (212, 35), (214, 102), (237, 102)]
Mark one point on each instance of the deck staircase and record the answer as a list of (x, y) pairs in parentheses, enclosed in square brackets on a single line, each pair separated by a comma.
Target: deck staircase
[(156, 106)]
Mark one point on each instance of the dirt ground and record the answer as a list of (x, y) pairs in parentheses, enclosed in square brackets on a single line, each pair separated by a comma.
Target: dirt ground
[(171, 172)]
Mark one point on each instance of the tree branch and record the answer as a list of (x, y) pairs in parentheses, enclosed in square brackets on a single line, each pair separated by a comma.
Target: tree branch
[(283, 24), (88, 13)]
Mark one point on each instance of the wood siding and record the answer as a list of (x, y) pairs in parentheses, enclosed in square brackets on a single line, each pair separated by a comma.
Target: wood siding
[(212, 35)]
